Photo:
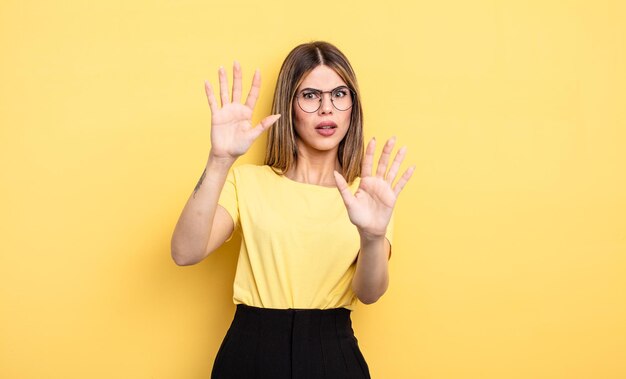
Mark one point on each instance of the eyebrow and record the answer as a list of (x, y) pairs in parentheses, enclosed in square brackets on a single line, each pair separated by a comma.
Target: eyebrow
[(319, 90)]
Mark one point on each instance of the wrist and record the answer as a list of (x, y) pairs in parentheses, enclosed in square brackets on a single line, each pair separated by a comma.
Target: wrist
[(370, 237), (220, 162)]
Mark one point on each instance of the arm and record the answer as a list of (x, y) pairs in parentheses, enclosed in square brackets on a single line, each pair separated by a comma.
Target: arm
[(371, 278), (203, 226), (370, 210)]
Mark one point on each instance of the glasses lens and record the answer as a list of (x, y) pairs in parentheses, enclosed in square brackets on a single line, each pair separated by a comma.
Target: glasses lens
[(309, 100), (342, 98)]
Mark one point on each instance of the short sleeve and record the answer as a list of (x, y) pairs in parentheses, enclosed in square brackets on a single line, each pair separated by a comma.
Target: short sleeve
[(228, 198)]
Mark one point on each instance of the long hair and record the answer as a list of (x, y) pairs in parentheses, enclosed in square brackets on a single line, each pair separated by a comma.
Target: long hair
[(282, 151)]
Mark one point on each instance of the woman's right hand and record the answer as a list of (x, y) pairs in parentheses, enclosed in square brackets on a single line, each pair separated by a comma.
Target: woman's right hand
[(232, 132)]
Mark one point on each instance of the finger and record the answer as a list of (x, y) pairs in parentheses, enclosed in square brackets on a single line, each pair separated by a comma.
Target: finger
[(384, 157), (210, 96), (403, 180), (264, 124), (395, 166), (223, 86), (254, 90), (344, 190), (236, 82), (368, 160)]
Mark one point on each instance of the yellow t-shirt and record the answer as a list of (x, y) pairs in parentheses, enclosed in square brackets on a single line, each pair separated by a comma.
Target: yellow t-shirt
[(298, 246)]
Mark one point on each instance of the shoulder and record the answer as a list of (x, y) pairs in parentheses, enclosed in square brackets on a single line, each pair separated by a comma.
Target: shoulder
[(252, 169), (254, 172), (355, 184)]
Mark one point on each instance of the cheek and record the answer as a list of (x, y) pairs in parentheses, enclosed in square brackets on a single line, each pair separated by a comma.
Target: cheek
[(300, 117), (297, 113), (345, 119)]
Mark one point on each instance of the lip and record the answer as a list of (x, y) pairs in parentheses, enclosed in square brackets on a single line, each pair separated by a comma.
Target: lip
[(326, 125)]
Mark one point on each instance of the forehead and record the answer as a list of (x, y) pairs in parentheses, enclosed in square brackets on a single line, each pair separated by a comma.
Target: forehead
[(322, 77)]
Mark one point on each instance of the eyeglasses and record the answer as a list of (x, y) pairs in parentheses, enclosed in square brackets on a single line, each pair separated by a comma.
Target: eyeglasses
[(310, 99)]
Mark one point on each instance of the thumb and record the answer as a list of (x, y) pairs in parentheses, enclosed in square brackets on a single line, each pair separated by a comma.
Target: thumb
[(264, 124), (344, 190)]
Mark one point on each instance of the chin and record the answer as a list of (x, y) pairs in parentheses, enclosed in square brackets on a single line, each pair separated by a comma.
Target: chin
[(321, 143), (320, 147)]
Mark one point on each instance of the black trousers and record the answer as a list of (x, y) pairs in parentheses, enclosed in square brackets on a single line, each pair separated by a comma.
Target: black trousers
[(291, 343)]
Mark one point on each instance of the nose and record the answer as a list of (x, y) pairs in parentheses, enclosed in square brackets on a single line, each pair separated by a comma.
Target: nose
[(327, 105)]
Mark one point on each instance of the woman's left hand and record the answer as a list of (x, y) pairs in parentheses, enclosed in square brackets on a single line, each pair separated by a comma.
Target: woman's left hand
[(370, 208)]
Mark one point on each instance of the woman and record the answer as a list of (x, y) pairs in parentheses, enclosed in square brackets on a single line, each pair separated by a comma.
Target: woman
[(313, 233)]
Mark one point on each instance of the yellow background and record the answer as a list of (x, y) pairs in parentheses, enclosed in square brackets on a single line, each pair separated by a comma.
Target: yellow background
[(510, 240)]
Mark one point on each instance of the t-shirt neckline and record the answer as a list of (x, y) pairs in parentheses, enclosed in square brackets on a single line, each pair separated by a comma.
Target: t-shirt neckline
[(297, 183)]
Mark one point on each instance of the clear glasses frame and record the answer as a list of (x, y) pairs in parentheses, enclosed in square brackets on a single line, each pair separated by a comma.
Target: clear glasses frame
[(332, 93)]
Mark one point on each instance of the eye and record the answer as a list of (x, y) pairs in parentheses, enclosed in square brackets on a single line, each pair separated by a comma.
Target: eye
[(341, 92), (310, 95)]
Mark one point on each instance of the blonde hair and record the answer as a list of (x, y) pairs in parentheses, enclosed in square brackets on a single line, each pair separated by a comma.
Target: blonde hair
[(282, 151)]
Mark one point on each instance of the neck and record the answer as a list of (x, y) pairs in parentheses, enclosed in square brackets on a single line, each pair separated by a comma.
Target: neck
[(315, 167)]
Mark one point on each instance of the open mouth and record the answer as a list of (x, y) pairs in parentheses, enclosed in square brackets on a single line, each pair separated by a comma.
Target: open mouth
[(326, 125), (326, 128)]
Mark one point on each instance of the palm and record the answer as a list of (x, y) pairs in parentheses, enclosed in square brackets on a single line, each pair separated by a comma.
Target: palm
[(231, 129), (232, 132), (370, 208)]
